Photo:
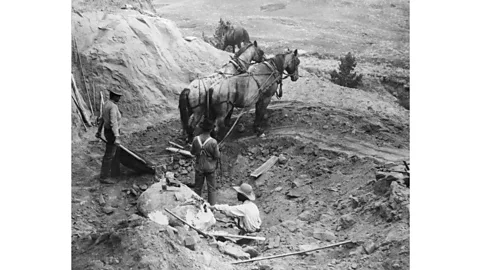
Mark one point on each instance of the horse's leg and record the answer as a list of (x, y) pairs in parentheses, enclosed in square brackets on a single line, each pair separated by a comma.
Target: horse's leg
[(221, 112), (260, 111), (225, 45), (197, 116), (228, 118)]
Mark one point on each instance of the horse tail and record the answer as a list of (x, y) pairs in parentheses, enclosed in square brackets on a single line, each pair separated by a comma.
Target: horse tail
[(211, 112), (184, 107), (246, 37)]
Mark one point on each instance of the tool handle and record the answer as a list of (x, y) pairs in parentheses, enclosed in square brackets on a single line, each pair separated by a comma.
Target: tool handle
[(188, 224), (126, 150)]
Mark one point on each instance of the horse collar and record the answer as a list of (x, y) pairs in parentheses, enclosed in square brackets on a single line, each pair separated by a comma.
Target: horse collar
[(238, 65)]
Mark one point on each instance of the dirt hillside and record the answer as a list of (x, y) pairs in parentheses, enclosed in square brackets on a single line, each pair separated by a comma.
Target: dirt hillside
[(144, 56)]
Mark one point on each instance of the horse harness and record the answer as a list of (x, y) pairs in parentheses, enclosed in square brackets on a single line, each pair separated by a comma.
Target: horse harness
[(278, 79), (238, 64)]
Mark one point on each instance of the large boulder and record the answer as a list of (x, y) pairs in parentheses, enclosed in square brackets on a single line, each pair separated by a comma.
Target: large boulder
[(144, 56), (153, 202)]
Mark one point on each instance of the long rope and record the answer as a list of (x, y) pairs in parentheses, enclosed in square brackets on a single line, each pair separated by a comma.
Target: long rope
[(230, 130)]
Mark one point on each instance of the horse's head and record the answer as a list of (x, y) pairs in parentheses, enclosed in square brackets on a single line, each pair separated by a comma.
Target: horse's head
[(224, 30), (291, 64), (258, 55)]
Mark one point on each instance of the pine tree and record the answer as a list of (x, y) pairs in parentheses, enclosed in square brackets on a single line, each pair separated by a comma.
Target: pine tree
[(345, 77)]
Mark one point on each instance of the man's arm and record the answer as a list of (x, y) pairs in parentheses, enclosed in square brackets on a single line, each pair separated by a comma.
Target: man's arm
[(233, 211), (114, 121), (193, 150), (214, 149), (100, 126), (217, 151)]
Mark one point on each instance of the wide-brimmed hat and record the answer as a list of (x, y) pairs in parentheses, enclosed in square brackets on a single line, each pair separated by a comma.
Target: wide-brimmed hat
[(116, 92), (207, 125), (246, 190)]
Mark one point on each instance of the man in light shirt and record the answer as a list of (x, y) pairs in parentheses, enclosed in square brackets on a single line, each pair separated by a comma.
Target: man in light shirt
[(205, 149), (246, 214), (110, 122)]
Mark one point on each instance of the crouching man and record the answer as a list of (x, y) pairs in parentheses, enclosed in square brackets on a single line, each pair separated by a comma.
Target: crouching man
[(246, 215)]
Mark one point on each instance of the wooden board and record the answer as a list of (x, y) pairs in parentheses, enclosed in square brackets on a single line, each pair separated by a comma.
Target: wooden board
[(265, 166), (176, 150)]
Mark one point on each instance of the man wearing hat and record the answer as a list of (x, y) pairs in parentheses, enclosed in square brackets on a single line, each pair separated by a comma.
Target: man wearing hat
[(247, 214), (111, 121), (205, 149)]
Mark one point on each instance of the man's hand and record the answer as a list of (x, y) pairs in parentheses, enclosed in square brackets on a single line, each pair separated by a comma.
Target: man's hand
[(98, 135), (117, 141)]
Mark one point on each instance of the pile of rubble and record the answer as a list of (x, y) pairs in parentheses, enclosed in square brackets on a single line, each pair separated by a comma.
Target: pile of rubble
[(393, 186), (180, 166)]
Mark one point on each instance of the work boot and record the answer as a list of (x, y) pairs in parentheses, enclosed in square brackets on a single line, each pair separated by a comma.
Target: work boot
[(107, 181)]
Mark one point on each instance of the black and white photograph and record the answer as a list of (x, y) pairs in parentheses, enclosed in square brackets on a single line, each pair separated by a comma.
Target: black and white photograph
[(252, 134), (240, 134)]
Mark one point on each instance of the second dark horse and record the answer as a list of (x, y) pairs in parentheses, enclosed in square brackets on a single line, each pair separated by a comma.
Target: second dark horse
[(235, 36)]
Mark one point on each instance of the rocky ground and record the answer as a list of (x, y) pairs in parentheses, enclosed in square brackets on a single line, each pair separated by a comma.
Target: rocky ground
[(340, 174), (324, 189)]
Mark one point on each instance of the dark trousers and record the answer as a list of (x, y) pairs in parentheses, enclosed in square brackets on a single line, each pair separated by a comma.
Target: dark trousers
[(211, 185), (111, 161)]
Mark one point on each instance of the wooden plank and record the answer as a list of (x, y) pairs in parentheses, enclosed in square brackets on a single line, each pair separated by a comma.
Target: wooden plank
[(176, 145), (265, 166), (238, 236), (176, 150)]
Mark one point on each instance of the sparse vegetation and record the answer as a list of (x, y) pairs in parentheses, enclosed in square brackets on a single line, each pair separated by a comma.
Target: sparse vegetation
[(399, 88), (346, 76)]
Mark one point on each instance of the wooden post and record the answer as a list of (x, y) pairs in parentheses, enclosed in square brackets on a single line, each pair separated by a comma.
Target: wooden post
[(94, 94), (79, 105), (82, 73)]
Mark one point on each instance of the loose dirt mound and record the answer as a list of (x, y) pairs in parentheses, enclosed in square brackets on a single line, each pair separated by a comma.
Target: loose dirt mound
[(144, 56)]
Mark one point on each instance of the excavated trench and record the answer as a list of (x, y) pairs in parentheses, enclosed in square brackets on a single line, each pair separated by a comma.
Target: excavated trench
[(321, 193)]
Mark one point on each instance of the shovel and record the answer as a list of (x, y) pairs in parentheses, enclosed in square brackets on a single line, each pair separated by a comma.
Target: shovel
[(128, 151)]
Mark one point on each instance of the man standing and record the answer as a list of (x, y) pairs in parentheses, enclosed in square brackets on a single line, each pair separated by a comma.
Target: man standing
[(205, 149), (111, 121), (246, 215)]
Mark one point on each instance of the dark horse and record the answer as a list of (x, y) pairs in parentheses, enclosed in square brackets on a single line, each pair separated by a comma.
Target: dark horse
[(256, 87), (193, 100), (234, 36)]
